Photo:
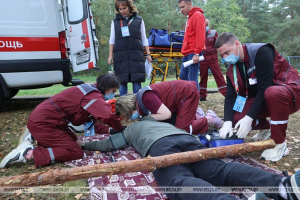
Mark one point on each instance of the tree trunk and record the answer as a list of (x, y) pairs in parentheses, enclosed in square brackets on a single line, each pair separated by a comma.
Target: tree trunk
[(146, 164)]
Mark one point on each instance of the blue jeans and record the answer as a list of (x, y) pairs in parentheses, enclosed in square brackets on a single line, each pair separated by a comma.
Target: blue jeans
[(207, 173), (189, 73), (135, 87)]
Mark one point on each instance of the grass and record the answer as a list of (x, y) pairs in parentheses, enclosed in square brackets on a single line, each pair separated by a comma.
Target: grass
[(92, 79)]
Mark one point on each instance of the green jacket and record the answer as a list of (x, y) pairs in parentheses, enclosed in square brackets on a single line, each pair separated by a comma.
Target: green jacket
[(141, 135)]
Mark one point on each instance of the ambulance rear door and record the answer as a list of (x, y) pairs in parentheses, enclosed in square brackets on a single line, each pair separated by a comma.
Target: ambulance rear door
[(81, 34)]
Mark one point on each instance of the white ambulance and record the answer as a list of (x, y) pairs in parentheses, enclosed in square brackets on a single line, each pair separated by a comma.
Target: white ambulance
[(41, 40)]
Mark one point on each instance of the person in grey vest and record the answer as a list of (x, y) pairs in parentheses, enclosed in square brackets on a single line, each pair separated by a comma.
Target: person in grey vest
[(152, 138), (126, 46), (260, 84)]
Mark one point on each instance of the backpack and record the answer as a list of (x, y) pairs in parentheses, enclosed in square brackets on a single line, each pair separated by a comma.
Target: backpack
[(212, 139), (159, 38), (177, 37)]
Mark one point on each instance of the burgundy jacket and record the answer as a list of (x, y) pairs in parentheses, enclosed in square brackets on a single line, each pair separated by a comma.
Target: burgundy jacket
[(283, 73), (210, 53), (172, 93), (75, 105)]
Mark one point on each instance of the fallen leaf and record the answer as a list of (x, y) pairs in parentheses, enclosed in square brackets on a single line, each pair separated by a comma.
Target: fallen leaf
[(266, 162), (2, 170), (287, 164), (78, 196)]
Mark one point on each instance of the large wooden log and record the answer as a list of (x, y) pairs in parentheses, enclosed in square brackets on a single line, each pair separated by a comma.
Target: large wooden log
[(146, 164)]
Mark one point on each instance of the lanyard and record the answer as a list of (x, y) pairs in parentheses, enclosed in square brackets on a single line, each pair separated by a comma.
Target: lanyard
[(236, 85), (128, 22)]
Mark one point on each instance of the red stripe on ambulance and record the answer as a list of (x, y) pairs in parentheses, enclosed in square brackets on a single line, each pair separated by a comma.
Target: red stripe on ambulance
[(86, 33), (17, 44)]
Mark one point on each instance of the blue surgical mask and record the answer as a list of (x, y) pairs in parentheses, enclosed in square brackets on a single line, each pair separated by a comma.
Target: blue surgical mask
[(109, 96), (231, 59), (207, 28), (135, 115)]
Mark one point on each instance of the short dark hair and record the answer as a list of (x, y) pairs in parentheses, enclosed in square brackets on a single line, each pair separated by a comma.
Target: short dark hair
[(224, 38), (106, 82), (179, 1)]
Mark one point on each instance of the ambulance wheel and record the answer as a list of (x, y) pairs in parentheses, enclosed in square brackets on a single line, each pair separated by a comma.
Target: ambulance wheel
[(1, 95), (13, 92)]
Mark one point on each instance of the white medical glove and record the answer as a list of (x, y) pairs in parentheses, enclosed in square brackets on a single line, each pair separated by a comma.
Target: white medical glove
[(244, 125), (226, 129)]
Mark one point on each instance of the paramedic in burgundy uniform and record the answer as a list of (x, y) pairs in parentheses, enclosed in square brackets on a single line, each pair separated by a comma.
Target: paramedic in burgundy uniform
[(210, 62), (260, 84), (48, 123), (173, 101)]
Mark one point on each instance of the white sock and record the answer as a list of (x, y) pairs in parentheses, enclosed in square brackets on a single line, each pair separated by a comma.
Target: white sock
[(282, 191)]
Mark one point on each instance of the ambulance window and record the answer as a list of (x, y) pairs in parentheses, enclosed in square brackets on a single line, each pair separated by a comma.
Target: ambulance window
[(77, 11)]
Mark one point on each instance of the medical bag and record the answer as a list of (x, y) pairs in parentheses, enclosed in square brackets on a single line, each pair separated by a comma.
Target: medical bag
[(212, 139), (159, 38), (177, 38)]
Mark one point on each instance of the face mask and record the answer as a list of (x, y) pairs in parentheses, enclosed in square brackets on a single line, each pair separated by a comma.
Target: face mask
[(135, 115), (110, 96), (231, 59), (207, 28)]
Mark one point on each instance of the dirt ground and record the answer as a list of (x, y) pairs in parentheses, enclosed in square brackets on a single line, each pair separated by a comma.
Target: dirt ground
[(14, 115)]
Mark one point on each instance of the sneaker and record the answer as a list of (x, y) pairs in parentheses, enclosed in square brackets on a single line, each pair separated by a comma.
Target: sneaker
[(216, 122), (202, 99), (258, 196), (26, 136), (17, 155), (262, 135), (275, 154), (292, 185)]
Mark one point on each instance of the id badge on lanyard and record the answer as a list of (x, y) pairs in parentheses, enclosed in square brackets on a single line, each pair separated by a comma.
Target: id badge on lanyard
[(125, 31), (240, 101)]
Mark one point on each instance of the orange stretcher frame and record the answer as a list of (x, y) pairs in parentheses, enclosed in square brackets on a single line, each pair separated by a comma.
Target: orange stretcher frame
[(162, 56)]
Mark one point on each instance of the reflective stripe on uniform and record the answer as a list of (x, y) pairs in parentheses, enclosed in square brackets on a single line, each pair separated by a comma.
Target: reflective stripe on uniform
[(51, 155), (89, 104), (86, 88), (279, 122), (191, 129), (81, 89), (222, 87)]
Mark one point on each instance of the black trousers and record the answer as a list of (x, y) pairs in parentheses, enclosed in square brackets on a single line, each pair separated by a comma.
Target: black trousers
[(208, 173)]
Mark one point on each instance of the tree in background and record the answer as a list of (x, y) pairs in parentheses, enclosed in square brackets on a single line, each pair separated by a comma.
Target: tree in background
[(274, 21), (103, 13), (224, 16), (259, 19), (286, 31)]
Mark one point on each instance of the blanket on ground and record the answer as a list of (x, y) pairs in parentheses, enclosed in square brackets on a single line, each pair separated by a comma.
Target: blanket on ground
[(141, 184)]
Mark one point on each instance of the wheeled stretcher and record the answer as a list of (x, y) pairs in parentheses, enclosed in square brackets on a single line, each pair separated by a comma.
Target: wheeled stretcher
[(161, 57)]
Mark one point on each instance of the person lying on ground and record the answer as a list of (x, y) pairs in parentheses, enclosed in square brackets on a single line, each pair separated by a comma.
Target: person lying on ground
[(152, 138)]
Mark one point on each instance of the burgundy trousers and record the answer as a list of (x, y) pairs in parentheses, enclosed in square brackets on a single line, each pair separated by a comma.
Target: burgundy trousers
[(218, 76), (279, 105)]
